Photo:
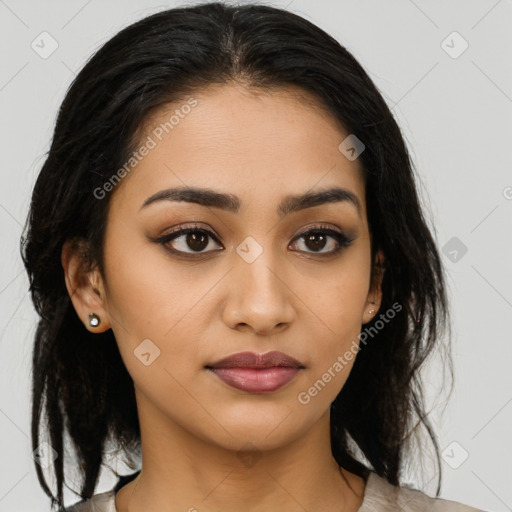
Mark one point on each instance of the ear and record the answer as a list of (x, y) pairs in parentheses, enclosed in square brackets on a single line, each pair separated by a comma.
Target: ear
[(374, 298), (85, 287)]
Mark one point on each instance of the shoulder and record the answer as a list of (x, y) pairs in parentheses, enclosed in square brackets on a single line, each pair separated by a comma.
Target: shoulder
[(381, 496), (103, 502)]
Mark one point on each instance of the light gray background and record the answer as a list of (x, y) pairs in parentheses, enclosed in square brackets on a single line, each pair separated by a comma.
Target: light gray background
[(456, 117)]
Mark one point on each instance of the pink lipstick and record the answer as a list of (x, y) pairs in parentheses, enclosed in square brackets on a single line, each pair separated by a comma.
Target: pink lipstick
[(256, 373)]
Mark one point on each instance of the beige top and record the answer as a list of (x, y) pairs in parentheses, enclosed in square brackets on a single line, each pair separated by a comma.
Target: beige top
[(379, 496)]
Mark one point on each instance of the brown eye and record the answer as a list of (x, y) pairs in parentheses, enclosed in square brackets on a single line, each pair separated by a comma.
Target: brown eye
[(188, 240), (196, 241), (317, 239)]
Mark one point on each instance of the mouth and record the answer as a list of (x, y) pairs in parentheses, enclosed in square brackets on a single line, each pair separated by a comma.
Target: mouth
[(254, 373)]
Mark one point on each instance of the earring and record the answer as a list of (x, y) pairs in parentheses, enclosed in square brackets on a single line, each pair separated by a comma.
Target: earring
[(371, 310), (94, 320)]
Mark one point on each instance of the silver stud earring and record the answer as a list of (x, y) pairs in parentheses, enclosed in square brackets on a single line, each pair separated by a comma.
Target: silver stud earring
[(94, 320)]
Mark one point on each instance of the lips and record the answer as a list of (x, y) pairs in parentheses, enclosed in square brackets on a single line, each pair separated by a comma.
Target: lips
[(253, 360), (256, 373)]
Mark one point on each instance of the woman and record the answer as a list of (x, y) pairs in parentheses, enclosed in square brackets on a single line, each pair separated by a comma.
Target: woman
[(236, 283)]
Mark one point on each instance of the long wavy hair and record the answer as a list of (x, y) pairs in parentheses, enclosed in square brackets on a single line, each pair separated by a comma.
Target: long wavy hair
[(80, 386)]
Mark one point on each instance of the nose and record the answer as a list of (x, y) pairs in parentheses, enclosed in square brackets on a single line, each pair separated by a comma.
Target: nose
[(260, 297)]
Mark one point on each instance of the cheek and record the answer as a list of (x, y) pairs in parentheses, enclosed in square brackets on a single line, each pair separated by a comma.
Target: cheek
[(156, 301), (336, 298), (146, 290), (335, 319)]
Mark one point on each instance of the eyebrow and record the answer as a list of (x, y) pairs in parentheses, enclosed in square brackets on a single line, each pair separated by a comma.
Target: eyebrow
[(231, 203)]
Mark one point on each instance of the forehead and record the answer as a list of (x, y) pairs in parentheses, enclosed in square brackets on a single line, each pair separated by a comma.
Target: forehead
[(254, 143)]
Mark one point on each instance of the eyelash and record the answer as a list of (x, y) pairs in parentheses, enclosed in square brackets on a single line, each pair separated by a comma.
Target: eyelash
[(342, 240)]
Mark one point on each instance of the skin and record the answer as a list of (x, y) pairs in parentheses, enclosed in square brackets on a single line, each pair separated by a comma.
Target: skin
[(259, 146)]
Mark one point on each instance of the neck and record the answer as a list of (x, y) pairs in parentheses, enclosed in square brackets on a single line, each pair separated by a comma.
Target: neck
[(183, 472)]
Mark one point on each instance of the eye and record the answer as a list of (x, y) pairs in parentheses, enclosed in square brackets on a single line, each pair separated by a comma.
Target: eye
[(194, 240), (317, 239), (191, 237)]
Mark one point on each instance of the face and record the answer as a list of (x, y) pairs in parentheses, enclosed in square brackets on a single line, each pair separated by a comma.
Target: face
[(258, 273)]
